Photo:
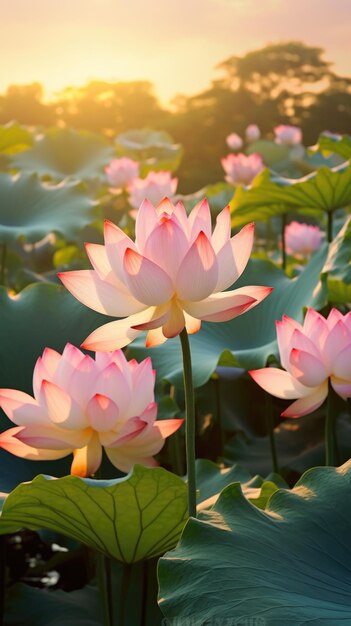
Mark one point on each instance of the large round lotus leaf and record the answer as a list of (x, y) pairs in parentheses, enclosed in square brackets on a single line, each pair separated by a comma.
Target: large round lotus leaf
[(155, 150), (289, 564), (14, 138), (66, 153), (129, 519), (248, 340), (31, 209), (323, 191)]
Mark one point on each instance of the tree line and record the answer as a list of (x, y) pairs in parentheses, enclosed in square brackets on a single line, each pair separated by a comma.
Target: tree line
[(284, 83)]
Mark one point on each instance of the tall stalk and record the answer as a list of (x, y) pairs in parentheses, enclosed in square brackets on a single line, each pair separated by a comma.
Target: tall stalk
[(105, 588), (330, 226), (330, 428), (284, 222), (189, 422)]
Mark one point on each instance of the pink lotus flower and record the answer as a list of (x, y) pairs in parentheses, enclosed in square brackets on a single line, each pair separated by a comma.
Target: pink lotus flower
[(155, 187), (242, 169), (311, 354), (82, 405), (288, 135), (234, 141), (302, 239), (172, 276), (252, 133), (121, 172)]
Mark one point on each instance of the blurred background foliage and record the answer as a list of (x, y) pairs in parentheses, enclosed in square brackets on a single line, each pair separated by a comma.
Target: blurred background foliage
[(285, 83)]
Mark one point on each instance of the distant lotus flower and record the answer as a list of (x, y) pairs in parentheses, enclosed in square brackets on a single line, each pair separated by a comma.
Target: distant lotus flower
[(288, 135), (234, 141), (82, 405), (312, 353), (252, 133), (173, 276), (155, 187), (121, 172), (242, 169), (302, 239)]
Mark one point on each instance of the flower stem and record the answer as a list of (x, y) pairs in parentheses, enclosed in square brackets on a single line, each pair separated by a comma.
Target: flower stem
[(123, 597), (105, 588), (330, 435), (189, 422), (268, 412), (330, 226), (284, 221)]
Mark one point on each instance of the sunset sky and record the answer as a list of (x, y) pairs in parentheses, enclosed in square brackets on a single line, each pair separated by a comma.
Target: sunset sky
[(174, 44)]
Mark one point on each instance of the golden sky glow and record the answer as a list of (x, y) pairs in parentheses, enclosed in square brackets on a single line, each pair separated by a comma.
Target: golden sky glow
[(174, 44)]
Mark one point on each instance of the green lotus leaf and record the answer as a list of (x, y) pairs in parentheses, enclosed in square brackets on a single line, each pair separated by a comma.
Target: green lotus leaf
[(14, 138), (339, 144), (31, 209), (211, 479), (155, 150), (323, 191), (248, 340), (131, 518), (289, 564), (66, 153), (337, 269)]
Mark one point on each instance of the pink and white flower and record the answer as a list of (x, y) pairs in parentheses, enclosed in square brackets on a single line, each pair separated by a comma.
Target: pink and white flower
[(81, 406), (173, 275), (241, 169), (252, 133), (121, 172), (234, 141), (155, 187), (288, 135), (312, 354), (302, 239)]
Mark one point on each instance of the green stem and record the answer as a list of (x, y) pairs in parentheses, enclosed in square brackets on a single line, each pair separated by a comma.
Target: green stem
[(174, 443), (105, 588), (3, 263), (330, 226), (330, 434), (189, 422), (126, 577), (268, 412), (284, 222)]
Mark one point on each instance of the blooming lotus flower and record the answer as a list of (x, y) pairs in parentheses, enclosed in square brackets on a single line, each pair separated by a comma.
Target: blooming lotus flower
[(82, 405), (121, 172), (234, 141), (173, 275), (155, 187), (302, 239), (312, 353), (242, 169), (252, 133), (288, 135)]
